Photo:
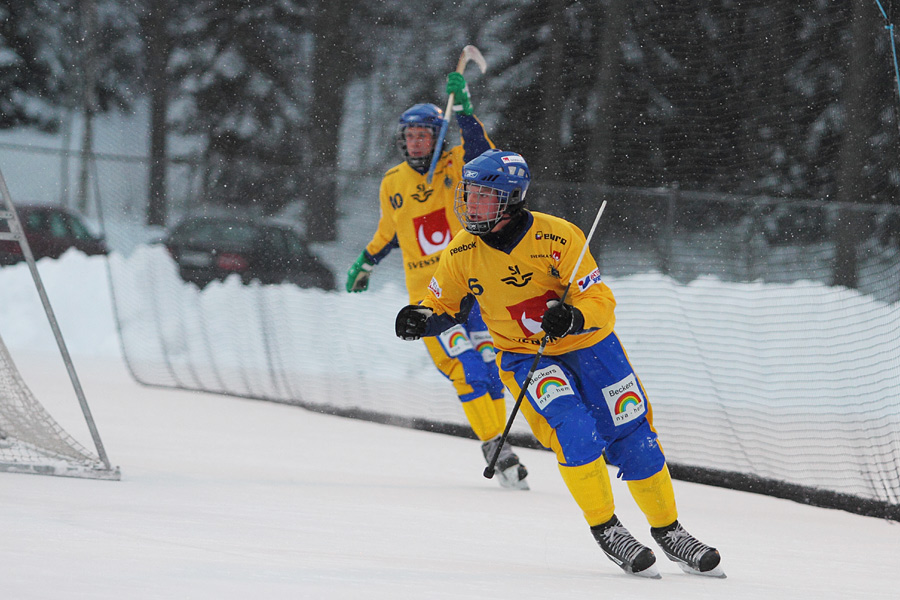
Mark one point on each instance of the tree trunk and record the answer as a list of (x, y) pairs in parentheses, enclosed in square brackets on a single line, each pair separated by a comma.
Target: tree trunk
[(858, 122), (610, 61), (331, 72), (88, 15), (158, 48), (550, 164)]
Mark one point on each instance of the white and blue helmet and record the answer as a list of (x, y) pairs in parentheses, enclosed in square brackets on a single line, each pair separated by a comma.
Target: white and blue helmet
[(504, 172), (419, 115)]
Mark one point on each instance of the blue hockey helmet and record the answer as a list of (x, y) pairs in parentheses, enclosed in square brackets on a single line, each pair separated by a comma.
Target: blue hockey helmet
[(419, 115), (500, 174)]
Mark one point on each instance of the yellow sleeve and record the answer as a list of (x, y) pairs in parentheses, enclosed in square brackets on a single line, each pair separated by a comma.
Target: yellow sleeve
[(386, 232), (445, 292), (588, 292)]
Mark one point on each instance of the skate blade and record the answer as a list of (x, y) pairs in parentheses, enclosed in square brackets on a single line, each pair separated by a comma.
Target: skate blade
[(718, 573), (650, 572), (509, 479)]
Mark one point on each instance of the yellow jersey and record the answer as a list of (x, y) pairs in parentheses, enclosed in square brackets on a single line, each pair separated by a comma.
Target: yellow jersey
[(513, 288), (418, 216)]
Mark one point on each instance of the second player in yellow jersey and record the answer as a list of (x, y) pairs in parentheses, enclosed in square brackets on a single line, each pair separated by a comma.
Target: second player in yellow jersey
[(418, 218)]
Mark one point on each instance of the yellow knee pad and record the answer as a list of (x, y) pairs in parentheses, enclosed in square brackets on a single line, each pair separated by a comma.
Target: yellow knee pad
[(656, 498), (590, 487)]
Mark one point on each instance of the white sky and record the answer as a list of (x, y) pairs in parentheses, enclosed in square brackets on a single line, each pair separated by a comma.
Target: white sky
[(227, 498)]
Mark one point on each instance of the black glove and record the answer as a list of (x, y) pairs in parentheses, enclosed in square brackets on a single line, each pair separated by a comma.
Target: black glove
[(412, 321), (561, 319)]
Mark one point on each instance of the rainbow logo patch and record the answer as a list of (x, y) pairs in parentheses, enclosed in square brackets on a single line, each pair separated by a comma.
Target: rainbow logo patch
[(485, 345), (625, 400), (455, 341), (548, 384)]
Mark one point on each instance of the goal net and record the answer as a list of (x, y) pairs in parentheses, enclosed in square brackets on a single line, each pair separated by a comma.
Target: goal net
[(31, 441)]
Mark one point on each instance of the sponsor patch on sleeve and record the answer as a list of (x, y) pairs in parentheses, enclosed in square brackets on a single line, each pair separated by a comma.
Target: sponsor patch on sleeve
[(589, 280), (435, 288)]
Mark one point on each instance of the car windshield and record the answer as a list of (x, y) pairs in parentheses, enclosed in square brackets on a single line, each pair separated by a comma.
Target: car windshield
[(79, 231), (213, 231), (297, 247)]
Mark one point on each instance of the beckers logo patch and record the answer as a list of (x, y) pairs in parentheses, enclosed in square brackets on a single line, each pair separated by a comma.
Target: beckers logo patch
[(484, 343), (432, 232), (548, 384), (625, 400), (455, 341), (529, 313)]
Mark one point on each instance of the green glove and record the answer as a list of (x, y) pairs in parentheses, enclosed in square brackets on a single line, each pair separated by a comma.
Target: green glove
[(359, 273), (456, 85)]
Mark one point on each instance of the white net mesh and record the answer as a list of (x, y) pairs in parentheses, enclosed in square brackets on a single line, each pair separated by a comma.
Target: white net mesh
[(31, 441)]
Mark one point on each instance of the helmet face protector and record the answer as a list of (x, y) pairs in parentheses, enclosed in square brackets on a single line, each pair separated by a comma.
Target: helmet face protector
[(492, 184), (427, 116)]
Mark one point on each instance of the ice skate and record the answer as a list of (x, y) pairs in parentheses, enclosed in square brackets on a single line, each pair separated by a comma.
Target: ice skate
[(623, 549), (510, 472), (687, 552)]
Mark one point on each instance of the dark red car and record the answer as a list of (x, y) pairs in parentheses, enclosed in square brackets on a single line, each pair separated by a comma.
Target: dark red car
[(50, 230)]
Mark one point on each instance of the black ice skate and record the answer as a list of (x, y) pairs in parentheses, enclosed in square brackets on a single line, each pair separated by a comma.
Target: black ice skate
[(510, 472), (690, 554), (621, 548)]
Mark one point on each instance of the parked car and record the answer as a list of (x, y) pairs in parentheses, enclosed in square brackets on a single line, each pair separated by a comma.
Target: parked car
[(210, 248), (50, 231)]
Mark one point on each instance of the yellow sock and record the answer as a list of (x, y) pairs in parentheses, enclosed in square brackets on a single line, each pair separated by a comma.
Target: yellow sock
[(590, 487), (656, 498), (500, 410), (482, 415)]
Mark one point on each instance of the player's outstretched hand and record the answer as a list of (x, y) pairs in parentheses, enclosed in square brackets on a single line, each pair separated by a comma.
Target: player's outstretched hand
[(359, 273), (561, 319), (412, 321), (456, 85)]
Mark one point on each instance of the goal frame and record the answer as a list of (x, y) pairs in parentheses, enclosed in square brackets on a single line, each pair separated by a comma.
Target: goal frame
[(16, 234)]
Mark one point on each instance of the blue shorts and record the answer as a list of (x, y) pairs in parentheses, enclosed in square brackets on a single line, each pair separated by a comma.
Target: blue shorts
[(593, 401)]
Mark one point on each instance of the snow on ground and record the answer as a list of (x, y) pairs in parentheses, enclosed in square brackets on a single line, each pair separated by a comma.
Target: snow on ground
[(228, 498)]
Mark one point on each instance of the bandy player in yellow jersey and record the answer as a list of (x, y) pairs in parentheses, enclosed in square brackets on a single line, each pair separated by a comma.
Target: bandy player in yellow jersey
[(418, 218), (585, 401)]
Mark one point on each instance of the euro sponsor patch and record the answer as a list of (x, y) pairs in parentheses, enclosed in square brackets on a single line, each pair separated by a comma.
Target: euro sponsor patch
[(548, 384), (625, 400)]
